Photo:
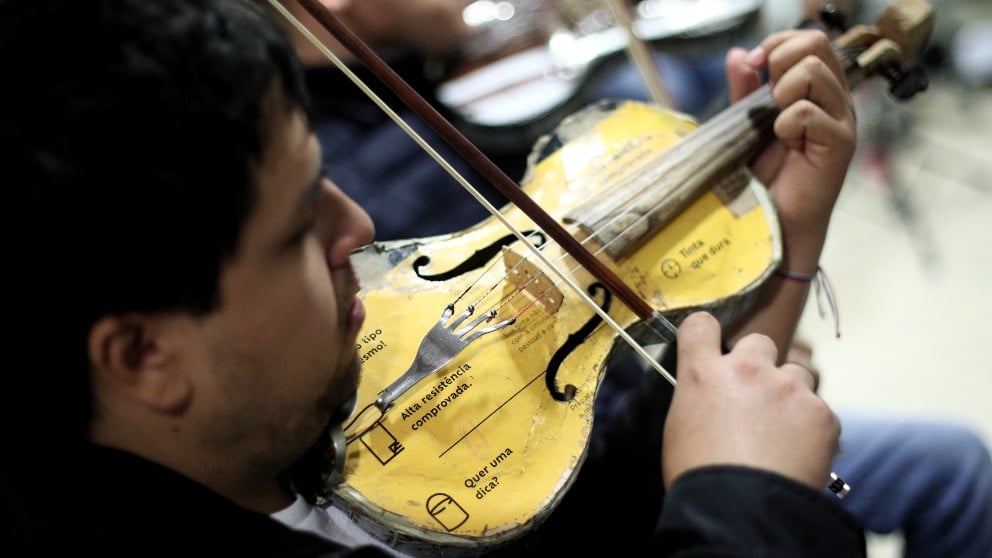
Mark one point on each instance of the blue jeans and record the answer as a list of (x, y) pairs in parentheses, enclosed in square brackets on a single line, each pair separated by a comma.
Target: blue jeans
[(696, 86), (928, 480)]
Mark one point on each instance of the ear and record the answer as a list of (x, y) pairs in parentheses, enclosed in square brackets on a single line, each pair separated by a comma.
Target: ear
[(129, 359)]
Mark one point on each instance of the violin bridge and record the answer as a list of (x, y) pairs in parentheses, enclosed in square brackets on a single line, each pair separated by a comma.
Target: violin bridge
[(523, 274)]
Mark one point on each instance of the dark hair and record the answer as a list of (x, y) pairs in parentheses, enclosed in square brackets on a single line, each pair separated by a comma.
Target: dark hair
[(129, 135)]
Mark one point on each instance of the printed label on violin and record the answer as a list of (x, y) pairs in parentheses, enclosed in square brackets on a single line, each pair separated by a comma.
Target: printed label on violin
[(370, 344), (696, 254), (485, 480), (442, 393), (531, 332)]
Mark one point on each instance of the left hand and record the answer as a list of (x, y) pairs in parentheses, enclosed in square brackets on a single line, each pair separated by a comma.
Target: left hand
[(805, 169)]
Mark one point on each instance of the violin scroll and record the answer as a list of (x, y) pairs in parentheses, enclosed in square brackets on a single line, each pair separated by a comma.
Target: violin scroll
[(890, 47)]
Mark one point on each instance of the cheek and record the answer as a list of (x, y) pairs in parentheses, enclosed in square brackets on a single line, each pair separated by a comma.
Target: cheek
[(295, 322), (302, 342), (309, 309)]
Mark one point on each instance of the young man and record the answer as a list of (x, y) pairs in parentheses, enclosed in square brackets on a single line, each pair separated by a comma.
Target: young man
[(186, 311)]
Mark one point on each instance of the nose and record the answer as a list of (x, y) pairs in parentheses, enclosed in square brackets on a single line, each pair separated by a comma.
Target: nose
[(349, 226)]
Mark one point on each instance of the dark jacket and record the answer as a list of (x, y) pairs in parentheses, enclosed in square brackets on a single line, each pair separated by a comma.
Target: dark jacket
[(111, 503)]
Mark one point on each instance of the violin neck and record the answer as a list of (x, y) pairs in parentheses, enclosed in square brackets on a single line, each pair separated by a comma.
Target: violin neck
[(712, 156)]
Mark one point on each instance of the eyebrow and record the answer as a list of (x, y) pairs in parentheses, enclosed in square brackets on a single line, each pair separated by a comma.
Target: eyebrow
[(304, 205)]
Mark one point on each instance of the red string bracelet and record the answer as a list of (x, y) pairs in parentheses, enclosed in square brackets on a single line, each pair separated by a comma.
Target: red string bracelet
[(804, 277)]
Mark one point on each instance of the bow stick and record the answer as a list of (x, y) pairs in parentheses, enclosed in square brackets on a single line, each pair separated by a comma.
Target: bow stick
[(640, 55)]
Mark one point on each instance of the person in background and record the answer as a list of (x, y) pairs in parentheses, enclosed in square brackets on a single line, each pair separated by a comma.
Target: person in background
[(890, 461)]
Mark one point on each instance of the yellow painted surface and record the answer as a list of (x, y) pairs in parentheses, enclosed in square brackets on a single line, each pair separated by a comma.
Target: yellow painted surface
[(478, 451)]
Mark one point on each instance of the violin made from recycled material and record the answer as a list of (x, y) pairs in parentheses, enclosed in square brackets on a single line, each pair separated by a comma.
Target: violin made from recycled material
[(480, 368)]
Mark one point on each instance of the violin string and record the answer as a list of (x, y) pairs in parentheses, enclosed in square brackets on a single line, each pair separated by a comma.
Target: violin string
[(490, 289), (500, 304), (619, 330), (692, 171), (681, 172), (756, 107)]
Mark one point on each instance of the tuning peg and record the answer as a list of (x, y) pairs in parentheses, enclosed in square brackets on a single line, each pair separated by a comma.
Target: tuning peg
[(903, 84)]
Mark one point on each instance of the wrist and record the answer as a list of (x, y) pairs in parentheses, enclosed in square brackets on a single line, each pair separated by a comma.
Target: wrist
[(803, 239), (801, 258), (819, 279), (800, 276)]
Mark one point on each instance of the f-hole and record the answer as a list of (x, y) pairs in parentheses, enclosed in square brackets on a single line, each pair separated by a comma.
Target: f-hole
[(575, 339)]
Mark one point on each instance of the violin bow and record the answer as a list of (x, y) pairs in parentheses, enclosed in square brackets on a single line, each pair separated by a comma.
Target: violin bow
[(657, 323)]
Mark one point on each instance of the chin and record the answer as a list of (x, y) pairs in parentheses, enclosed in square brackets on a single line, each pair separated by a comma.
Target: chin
[(344, 410), (341, 394), (346, 390)]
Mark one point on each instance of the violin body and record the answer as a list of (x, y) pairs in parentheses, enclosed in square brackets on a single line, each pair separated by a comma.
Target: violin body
[(479, 452)]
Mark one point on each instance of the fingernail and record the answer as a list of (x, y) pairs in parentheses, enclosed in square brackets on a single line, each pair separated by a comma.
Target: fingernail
[(755, 57)]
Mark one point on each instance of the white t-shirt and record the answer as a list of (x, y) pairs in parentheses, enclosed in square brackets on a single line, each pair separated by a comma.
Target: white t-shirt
[(330, 523)]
